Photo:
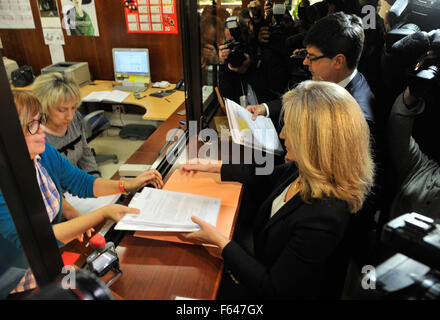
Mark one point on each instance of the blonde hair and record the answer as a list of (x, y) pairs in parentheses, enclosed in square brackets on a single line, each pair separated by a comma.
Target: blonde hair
[(27, 106), (54, 88), (331, 142)]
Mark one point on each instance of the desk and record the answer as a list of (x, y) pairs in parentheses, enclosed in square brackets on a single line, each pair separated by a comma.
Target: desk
[(155, 269), (156, 108)]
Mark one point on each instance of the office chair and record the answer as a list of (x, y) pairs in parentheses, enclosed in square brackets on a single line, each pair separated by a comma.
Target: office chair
[(95, 123)]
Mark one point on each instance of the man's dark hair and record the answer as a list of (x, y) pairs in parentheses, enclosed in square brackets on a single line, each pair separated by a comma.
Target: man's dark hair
[(338, 33)]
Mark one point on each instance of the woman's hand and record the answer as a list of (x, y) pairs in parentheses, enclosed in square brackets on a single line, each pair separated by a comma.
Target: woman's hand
[(207, 234), (89, 232), (201, 165), (117, 211), (148, 177)]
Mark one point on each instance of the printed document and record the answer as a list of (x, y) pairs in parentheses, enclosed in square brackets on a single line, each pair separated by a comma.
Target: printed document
[(259, 134), (111, 96), (162, 210)]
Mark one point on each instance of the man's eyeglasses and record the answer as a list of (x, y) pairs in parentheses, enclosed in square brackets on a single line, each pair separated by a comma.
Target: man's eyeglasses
[(303, 54), (34, 126)]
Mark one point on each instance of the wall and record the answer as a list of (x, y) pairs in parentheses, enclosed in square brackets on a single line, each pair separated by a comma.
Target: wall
[(27, 46)]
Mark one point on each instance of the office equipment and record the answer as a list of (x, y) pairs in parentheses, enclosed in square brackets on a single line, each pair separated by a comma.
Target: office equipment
[(104, 258), (162, 210), (180, 85), (128, 85), (259, 134), (23, 76), (78, 71), (161, 84), (10, 65), (132, 65), (161, 93), (132, 170), (109, 96)]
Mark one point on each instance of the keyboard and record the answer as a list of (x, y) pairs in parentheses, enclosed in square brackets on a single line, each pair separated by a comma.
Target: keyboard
[(129, 88)]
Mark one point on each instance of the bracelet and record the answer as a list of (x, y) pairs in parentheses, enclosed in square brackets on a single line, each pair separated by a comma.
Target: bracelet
[(121, 187)]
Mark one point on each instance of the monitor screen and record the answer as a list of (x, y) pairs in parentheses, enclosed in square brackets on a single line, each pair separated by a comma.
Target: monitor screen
[(128, 62)]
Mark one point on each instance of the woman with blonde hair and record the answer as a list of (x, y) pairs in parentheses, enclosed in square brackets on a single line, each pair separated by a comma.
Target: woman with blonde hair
[(60, 97), (298, 231)]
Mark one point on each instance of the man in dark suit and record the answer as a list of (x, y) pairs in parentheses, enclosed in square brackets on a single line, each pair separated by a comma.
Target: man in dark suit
[(334, 46)]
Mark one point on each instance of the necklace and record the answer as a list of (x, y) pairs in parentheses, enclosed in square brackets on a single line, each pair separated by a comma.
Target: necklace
[(297, 184), (294, 189)]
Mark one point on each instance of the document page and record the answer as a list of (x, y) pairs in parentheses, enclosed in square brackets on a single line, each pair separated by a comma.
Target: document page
[(113, 96), (96, 96), (262, 131), (168, 209), (116, 96)]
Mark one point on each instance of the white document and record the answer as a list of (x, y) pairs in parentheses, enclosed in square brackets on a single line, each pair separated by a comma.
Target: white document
[(86, 205), (53, 36), (111, 96), (56, 53), (16, 15), (162, 210), (259, 134)]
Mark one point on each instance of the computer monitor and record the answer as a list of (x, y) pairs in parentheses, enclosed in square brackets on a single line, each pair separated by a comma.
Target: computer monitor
[(131, 62)]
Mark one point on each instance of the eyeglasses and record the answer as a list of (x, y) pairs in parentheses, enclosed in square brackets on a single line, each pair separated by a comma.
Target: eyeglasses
[(303, 54), (34, 126), (312, 57)]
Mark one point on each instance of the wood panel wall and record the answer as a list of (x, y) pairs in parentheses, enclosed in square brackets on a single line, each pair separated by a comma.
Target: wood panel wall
[(27, 46)]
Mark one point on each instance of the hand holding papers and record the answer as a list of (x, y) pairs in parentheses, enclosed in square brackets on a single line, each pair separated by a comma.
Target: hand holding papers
[(163, 210), (259, 134)]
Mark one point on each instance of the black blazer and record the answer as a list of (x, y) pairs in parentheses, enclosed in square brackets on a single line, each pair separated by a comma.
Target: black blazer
[(358, 87), (298, 250)]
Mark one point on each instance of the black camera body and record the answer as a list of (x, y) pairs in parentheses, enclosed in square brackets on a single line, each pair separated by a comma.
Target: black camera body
[(425, 79), (412, 270), (410, 52), (236, 55), (236, 46)]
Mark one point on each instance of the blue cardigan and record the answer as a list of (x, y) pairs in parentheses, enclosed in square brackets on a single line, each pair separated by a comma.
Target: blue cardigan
[(13, 260)]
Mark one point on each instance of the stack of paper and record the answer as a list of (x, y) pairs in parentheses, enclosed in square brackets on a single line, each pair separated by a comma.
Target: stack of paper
[(111, 96), (259, 134), (163, 210)]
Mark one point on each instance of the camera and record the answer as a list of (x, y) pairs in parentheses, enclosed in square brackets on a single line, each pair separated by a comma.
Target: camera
[(419, 54), (236, 46), (413, 272), (277, 27)]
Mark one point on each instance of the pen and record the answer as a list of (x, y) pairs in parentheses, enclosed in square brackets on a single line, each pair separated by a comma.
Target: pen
[(182, 123)]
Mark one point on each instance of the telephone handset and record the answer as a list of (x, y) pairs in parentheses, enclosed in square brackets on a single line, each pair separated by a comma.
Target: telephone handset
[(180, 85)]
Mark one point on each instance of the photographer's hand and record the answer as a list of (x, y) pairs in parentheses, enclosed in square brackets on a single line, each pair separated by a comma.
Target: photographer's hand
[(305, 3), (223, 53), (264, 35), (409, 100), (244, 66), (210, 53)]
